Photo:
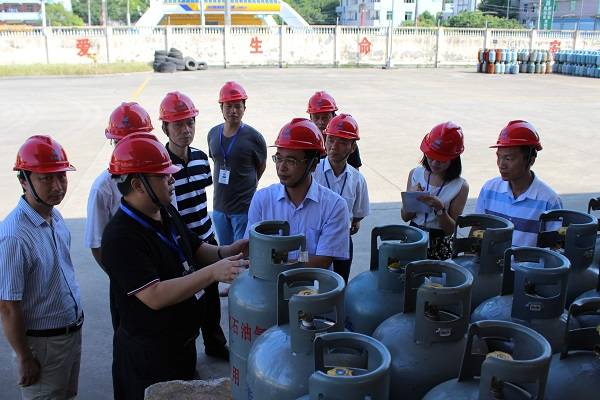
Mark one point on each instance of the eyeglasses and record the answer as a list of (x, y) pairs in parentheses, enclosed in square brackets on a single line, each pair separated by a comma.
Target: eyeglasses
[(290, 162)]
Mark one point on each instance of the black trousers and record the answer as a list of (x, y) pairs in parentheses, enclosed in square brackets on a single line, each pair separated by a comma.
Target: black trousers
[(139, 362), (212, 333), (342, 267)]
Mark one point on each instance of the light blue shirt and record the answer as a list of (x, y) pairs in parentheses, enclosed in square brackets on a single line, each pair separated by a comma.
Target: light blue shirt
[(36, 268), (496, 198), (322, 217)]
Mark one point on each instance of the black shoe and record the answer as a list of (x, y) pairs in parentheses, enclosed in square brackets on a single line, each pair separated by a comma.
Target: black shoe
[(219, 352)]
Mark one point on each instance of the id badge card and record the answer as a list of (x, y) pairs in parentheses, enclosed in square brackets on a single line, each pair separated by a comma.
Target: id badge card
[(224, 176), (199, 294)]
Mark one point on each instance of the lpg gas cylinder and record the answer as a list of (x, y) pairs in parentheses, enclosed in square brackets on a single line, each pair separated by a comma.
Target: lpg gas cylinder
[(282, 358), (573, 234), (253, 295), (374, 295), (349, 366), (502, 360), (575, 372), (594, 205), (534, 288), (427, 340), (482, 252)]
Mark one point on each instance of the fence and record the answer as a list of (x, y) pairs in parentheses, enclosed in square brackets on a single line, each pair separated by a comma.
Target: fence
[(280, 45)]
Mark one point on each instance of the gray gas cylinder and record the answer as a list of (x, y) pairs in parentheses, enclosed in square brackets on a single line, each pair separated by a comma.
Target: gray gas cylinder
[(482, 252), (533, 293), (572, 233), (502, 360), (575, 372), (253, 295), (427, 340), (349, 366), (594, 205), (282, 359), (377, 294)]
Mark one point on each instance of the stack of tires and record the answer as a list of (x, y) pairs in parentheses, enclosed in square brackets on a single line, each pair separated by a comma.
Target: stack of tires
[(173, 61), (578, 63)]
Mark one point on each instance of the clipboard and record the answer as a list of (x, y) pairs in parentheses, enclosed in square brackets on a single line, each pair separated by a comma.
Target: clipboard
[(412, 205)]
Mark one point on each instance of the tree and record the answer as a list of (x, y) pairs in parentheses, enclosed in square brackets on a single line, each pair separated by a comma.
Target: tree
[(316, 12), (56, 15), (117, 10), (425, 20), (477, 19), (498, 8)]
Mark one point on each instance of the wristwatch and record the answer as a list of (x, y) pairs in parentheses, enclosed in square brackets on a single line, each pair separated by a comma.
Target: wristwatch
[(439, 212)]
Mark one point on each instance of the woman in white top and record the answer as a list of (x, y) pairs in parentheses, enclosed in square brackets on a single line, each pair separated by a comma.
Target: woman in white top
[(444, 191)]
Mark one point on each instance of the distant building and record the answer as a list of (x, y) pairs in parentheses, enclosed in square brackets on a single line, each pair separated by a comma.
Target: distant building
[(25, 12), (577, 14), (384, 12), (459, 6)]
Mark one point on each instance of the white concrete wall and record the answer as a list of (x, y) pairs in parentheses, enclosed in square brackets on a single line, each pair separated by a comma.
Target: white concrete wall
[(279, 46)]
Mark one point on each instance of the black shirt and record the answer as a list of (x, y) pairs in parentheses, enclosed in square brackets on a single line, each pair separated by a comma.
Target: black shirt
[(135, 258)]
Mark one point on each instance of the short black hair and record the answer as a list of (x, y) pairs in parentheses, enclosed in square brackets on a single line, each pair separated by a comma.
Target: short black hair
[(528, 152), (453, 171), (124, 186)]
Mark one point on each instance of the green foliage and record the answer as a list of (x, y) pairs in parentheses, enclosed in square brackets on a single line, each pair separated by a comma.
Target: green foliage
[(117, 10), (477, 19), (498, 8), (425, 20), (56, 15), (72, 69), (316, 12)]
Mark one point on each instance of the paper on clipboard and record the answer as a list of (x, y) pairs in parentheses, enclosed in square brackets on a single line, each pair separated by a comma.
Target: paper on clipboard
[(412, 205)]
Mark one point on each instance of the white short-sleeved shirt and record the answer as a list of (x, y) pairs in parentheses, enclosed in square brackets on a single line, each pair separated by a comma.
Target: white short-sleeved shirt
[(350, 184), (496, 198), (322, 217), (103, 203)]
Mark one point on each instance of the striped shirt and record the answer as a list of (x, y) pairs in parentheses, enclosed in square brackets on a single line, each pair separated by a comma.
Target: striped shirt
[(36, 268), (190, 192), (496, 198)]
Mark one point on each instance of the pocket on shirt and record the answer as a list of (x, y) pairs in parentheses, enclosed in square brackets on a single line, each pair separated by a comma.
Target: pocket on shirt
[(312, 239)]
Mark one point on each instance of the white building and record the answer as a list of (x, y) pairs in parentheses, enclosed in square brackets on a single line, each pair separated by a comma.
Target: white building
[(464, 5), (384, 12)]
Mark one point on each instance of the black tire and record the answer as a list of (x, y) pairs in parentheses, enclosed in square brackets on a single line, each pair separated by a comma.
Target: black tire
[(202, 66), (190, 64), (160, 53), (156, 66), (176, 54), (180, 66), (160, 59), (168, 67)]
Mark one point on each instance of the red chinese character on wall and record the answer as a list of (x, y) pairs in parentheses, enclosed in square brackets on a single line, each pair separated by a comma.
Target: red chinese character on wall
[(233, 325), (246, 332), (364, 46), (255, 45), (84, 46), (235, 376), (554, 46), (258, 330)]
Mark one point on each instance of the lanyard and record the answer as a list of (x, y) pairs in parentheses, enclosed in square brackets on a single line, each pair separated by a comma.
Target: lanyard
[(327, 180), (171, 243), (233, 140), (436, 195)]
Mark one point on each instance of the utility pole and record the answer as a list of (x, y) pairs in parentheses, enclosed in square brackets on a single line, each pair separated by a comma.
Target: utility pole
[(416, 13), (227, 12), (128, 15), (507, 8), (539, 17), (104, 11), (43, 11), (89, 13)]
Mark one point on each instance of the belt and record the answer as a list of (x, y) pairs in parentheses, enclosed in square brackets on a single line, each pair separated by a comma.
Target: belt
[(56, 331)]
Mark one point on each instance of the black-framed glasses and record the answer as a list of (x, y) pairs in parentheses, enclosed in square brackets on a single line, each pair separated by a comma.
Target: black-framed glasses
[(288, 161)]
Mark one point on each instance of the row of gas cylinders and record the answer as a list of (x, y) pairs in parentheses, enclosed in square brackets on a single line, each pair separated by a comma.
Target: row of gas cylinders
[(515, 68), (511, 56), (581, 57), (590, 71), (484, 324)]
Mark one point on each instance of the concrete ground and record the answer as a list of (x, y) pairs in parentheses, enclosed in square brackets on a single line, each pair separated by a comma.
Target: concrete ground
[(394, 108)]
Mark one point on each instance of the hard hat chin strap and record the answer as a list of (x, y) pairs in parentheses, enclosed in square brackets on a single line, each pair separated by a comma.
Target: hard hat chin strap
[(33, 192), (305, 174), (150, 191)]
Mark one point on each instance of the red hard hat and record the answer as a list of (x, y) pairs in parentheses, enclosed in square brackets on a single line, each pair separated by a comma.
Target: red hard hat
[(175, 107), (518, 133), (444, 142), (43, 155), (321, 102), (126, 119), (141, 153), (232, 91), (300, 134), (344, 126)]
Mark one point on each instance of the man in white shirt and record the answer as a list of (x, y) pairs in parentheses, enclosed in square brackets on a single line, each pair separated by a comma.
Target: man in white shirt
[(336, 174), (311, 209)]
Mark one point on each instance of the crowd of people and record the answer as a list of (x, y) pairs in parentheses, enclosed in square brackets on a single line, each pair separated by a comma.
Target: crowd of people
[(149, 229)]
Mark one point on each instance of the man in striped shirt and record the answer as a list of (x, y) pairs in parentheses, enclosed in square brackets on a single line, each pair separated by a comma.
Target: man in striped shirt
[(518, 194), (178, 113), (40, 302)]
